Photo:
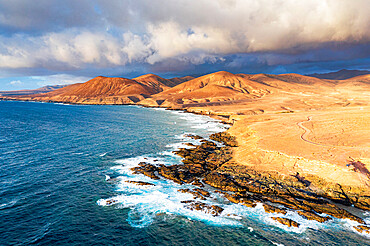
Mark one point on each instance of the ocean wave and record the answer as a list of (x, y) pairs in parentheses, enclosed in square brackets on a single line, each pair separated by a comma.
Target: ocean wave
[(8, 204), (102, 155)]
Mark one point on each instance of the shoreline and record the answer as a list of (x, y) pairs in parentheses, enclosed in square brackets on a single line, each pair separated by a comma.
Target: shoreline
[(234, 180)]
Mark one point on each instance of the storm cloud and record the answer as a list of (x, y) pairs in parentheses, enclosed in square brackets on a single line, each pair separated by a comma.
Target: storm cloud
[(168, 36)]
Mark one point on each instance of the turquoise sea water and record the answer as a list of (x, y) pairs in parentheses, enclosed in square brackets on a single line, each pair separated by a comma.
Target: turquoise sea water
[(59, 164)]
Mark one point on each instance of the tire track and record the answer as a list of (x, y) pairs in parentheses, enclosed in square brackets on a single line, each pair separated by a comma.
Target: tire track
[(307, 132), (304, 137)]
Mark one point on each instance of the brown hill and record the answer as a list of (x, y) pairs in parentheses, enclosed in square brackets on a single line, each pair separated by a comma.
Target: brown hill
[(362, 78), (160, 84), (104, 90), (179, 80), (272, 81), (44, 89), (289, 82), (359, 83), (340, 75), (100, 90), (215, 87), (157, 83), (293, 78)]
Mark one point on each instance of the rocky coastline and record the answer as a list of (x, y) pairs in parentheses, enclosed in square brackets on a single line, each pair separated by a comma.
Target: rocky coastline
[(210, 164)]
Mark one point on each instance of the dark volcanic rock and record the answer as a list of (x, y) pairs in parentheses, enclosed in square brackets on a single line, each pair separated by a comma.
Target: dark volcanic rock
[(210, 209), (244, 200), (197, 183), (362, 228), (190, 144), (170, 172), (287, 191), (285, 221), (313, 216), (273, 209), (146, 169), (334, 211), (203, 158), (202, 192), (362, 202), (194, 193), (224, 138), (110, 202), (140, 183), (222, 181), (193, 136)]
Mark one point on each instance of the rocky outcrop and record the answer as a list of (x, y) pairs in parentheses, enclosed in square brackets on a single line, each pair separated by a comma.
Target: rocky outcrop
[(362, 229), (224, 138), (346, 195), (202, 192), (272, 209), (140, 183), (146, 169), (200, 206), (312, 216), (222, 181), (110, 202), (244, 200), (196, 137), (197, 163), (193, 192), (269, 188), (287, 222)]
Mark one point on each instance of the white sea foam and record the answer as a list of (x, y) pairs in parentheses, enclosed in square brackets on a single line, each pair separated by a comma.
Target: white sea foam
[(147, 201), (202, 122), (177, 146), (158, 109), (278, 244), (102, 155), (8, 205)]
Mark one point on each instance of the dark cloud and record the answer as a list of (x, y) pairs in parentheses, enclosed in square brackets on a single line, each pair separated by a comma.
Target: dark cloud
[(128, 37), (36, 17)]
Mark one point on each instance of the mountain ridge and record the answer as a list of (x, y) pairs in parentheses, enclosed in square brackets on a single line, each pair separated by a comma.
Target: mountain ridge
[(219, 87), (44, 89), (342, 74)]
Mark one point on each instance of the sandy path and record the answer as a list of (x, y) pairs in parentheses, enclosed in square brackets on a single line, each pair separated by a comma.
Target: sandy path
[(307, 132)]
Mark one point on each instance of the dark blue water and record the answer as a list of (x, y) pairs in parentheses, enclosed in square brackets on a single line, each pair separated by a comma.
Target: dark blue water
[(60, 163)]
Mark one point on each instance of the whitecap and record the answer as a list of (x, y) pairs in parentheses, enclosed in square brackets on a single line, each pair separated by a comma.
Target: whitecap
[(8, 205)]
